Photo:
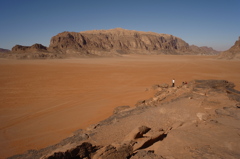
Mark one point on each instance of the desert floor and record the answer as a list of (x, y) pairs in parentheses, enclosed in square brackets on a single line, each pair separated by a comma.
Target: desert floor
[(45, 101)]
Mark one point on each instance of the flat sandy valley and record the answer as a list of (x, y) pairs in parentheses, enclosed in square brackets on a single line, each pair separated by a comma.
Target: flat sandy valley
[(45, 101)]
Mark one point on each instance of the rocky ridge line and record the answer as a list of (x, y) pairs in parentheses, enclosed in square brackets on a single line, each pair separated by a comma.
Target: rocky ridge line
[(4, 50), (117, 41), (113, 42), (203, 50)]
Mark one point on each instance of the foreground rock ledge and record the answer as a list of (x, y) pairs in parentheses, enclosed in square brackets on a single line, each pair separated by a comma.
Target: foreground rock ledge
[(200, 119)]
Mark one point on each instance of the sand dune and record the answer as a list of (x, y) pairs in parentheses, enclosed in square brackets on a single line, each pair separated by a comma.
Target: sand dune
[(44, 101)]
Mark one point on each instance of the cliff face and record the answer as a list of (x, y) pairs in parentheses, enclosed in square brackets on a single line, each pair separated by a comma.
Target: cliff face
[(233, 52), (113, 42), (117, 41)]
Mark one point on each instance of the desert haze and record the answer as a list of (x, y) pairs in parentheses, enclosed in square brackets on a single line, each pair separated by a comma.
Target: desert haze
[(45, 101)]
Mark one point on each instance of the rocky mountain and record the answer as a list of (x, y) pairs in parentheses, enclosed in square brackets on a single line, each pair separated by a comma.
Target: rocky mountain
[(117, 41), (199, 119), (233, 52), (36, 51), (203, 50), (113, 42), (31, 49), (4, 50)]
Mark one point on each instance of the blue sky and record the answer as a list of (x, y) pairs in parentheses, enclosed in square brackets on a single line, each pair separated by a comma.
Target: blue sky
[(213, 23)]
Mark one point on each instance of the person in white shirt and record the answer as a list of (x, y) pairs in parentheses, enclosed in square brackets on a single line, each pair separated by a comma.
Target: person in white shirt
[(173, 82)]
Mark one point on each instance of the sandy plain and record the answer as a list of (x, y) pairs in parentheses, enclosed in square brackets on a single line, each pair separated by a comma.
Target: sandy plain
[(45, 101)]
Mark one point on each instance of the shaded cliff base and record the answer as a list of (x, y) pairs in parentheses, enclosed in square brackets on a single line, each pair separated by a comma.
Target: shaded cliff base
[(44, 55), (196, 120), (85, 54), (52, 55)]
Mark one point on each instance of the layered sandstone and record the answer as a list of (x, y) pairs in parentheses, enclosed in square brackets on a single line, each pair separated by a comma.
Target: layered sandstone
[(233, 52), (113, 42), (117, 41)]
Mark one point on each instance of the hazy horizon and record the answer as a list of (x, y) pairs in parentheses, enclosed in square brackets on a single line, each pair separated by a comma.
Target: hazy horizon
[(203, 23)]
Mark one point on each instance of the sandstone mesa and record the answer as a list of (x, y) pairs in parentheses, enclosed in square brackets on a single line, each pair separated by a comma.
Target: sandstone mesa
[(113, 42)]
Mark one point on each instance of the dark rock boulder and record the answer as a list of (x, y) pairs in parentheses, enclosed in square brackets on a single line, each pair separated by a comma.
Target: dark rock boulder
[(85, 150)]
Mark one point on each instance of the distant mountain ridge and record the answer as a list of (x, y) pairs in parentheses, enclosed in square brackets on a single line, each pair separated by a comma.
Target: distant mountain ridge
[(112, 42), (4, 50), (33, 48), (204, 50)]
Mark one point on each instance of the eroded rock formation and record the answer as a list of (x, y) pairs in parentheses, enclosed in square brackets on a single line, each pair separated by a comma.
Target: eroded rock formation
[(36, 51), (31, 49), (113, 42), (117, 41)]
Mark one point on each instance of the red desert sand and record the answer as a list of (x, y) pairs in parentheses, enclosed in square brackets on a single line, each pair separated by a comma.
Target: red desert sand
[(45, 101)]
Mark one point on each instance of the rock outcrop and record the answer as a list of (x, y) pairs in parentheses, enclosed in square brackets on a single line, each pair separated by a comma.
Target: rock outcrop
[(85, 150), (232, 53), (30, 49), (199, 119), (113, 42), (36, 51), (117, 41)]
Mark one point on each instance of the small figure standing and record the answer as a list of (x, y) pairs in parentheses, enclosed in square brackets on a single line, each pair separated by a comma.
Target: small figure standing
[(173, 82)]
